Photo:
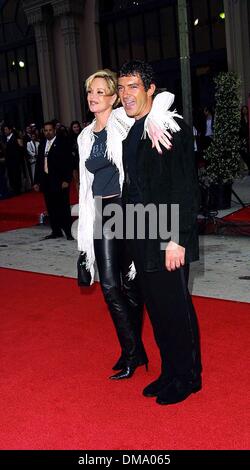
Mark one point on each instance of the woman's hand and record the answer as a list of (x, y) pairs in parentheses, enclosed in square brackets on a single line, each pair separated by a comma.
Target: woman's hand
[(158, 136)]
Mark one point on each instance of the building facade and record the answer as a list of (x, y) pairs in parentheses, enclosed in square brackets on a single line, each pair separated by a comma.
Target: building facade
[(73, 38), (20, 96)]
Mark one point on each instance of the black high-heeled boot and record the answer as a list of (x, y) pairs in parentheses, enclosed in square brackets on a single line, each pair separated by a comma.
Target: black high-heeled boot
[(136, 317), (142, 359), (129, 342), (128, 371), (120, 364)]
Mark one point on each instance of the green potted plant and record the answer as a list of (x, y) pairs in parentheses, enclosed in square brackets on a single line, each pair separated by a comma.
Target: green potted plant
[(223, 155)]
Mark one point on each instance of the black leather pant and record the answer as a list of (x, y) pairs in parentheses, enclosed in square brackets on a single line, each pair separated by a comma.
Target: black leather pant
[(122, 295)]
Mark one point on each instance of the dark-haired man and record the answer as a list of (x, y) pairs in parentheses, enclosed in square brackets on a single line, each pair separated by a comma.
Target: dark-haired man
[(170, 178), (53, 174)]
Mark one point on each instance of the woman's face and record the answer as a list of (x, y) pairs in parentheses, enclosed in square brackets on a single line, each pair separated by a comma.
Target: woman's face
[(98, 96), (76, 128), (244, 110)]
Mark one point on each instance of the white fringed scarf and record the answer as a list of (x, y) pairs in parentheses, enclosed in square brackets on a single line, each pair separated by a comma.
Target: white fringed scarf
[(160, 114), (118, 126)]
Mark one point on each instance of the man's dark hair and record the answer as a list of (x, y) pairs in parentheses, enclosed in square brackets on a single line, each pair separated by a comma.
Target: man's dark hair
[(9, 125), (49, 123), (138, 67)]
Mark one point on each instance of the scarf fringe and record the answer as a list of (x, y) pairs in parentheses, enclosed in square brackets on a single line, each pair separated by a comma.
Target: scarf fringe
[(161, 116), (132, 272)]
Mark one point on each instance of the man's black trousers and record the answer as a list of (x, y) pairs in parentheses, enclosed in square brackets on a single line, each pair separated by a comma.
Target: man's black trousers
[(172, 315)]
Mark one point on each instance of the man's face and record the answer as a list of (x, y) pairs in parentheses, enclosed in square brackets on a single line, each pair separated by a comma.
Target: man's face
[(49, 132), (7, 130), (135, 99)]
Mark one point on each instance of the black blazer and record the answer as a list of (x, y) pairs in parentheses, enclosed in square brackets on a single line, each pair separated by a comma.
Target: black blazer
[(170, 178), (13, 153), (59, 165)]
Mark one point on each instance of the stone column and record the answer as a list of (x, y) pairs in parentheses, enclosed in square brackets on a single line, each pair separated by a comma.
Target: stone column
[(238, 41), (41, 23), (68, 10)]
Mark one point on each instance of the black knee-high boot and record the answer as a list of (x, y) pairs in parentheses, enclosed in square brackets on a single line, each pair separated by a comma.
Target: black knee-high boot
[(107, 253), (120, 315), (128, 339), (136, 318), (132, 292)]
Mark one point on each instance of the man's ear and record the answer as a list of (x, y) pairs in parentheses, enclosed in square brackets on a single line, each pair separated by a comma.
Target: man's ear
[(115, 96), (151, 89)]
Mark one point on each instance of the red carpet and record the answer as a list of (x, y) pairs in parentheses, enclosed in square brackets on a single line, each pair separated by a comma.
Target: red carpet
[(57, 349), (242, 215), (21, 211), (236, 224), (24, 210)]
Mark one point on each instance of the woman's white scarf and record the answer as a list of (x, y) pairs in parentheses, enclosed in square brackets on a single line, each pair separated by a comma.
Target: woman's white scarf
[(118, 126)]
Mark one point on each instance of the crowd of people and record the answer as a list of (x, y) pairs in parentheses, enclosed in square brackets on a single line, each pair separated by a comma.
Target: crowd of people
[(19, 151)]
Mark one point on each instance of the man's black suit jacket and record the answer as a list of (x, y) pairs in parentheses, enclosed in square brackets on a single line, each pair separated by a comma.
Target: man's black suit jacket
[(170, 178), (59, 165), (13, 153)]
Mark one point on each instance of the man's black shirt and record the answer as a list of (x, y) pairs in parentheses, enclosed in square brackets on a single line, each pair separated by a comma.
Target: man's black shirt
[(130, 160)]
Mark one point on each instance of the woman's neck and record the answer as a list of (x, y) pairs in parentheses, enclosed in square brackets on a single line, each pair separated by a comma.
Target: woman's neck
[(101, 120)]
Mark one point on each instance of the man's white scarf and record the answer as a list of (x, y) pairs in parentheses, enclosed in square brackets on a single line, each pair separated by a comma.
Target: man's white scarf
[(118, 126)]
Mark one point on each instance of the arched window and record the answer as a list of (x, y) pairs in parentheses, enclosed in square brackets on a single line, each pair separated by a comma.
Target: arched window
[(19, 78), (18, 64), (149, 29), (142, 29)]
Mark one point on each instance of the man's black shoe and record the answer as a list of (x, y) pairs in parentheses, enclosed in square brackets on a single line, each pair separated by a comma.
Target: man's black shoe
[(155, 387), (52, 236), (177, 391), (69, 237)]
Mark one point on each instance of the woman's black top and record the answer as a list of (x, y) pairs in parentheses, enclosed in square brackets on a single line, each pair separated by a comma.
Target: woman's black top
[(106, 175)]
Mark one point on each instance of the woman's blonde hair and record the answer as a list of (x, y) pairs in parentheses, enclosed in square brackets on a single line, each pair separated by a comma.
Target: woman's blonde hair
[(111, 79)]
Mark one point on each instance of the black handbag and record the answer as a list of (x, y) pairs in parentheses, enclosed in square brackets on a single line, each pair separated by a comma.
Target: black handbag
[(83, 274)]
